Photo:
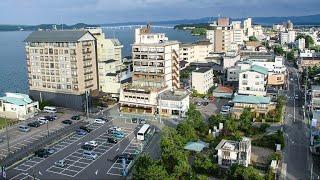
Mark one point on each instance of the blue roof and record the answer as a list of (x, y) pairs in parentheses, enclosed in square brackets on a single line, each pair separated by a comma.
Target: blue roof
[(22, 101), (259, 69), (196, 146), (249, 99)]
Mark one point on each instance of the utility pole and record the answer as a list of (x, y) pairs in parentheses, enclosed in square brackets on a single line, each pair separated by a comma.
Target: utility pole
[(87, 103), (8, 143)]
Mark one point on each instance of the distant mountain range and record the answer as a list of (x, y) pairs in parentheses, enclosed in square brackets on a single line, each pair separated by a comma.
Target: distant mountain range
[(297, 20)]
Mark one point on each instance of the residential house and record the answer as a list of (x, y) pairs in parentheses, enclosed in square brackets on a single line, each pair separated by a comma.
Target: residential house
[(234, 152), (17, 106), (173, 103)]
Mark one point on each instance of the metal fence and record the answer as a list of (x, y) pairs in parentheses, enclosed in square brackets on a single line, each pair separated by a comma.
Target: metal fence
[(27, 150)]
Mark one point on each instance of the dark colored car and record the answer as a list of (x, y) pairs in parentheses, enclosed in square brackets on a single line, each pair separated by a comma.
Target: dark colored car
[(51, 118), (77, 117), (134, 120), (142, 121), (88, 130), (112, 140), (87, 147), (67, 121), (34, 124), (104, 118), (127, 156), (81, 132), (42, 153)]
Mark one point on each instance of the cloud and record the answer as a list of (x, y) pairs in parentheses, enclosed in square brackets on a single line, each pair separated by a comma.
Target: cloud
[(107, 11)]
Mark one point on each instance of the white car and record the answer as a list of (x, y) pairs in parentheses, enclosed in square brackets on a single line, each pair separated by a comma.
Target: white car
[(60, 163), (116, 128), (99, 121), (42, 120), (91, 143)]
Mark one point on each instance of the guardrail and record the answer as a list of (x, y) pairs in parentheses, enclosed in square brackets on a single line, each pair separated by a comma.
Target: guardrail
[(48, 139)]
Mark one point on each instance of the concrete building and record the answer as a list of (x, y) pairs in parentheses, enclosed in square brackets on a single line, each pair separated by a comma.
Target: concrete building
[(202, 80), (247, 23), (155, 69), (259, 105), (195, 52), (62, 66), (233, 72), (173, 103), (315, 97), (111, 71), (230, 59), (305, 62), (301, 44), (253, 81), (17, 106), (287, 37), (234, 152)]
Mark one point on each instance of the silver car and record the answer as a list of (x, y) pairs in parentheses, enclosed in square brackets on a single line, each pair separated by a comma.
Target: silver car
[(60, 163)]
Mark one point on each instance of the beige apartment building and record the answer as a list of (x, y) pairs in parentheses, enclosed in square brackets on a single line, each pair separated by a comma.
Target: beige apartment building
[(202, 80), (61, 66), (196, 52), (155, 69)]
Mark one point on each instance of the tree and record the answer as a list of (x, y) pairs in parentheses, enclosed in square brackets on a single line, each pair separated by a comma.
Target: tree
[(290, 55), (253, 38), (199, 31), (244, 173), (231, 125), (146, 168), (186, 130), (278, 50), (214, 120), (246, 121), (204, 165)]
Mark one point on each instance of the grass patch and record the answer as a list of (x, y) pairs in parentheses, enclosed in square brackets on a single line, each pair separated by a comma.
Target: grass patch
[(3, 122)]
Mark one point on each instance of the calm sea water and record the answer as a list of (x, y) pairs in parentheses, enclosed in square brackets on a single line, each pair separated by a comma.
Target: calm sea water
[(13, 73)]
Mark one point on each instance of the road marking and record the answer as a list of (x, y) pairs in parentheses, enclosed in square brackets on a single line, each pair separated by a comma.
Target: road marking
[(79, 143), (117, 149), (96, 172), (40, 173)]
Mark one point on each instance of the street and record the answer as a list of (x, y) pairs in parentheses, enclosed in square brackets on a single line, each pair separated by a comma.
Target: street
[(297, 158)]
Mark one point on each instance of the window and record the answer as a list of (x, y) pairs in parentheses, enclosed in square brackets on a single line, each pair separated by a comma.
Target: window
[(245, 76), (257, 83), (278, 78)]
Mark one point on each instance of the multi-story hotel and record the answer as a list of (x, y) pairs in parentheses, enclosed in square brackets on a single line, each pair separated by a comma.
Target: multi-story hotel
[(62, 66), (155, 70)]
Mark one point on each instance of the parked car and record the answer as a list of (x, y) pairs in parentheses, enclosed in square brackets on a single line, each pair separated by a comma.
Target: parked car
[(225, 109), (87, 147), (51, 118), (104, 118), (77, 117), (61, 163), (34, 124), (43, 120), (88, 130), (24, 128), (51, 150), (112, 140), (42, 153), (134, 120), (142, 121), (81, 132), (89, 154), (92, 143), (126, 156), (113, 129), (99, 121), (66, 121), (117, 135)]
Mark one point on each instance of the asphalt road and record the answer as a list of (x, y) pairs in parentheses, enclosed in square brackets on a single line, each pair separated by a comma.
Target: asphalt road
[(296, 153)]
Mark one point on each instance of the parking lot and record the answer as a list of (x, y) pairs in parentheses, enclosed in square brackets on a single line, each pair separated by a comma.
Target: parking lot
[(18, 139), (212, 107), (78, 167)]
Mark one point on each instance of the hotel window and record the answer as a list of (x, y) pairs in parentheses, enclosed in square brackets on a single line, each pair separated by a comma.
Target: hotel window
[(68, 86), (245, 76), (66, 52)]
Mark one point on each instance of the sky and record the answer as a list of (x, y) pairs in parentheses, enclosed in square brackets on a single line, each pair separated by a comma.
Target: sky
[(114, 11)]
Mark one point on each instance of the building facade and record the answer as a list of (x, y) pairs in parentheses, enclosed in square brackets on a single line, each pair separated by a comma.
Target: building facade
[(253, 81), (173, 103), (62, 66), (202, 80)]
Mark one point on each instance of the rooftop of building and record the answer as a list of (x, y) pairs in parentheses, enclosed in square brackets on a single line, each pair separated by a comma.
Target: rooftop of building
[(230, 145), (116, 42), (203, 43), (176, 95), (202, 70), (56, 36), (250, 99), (109, 61), (16, 99), (258, 69), (160, 44)]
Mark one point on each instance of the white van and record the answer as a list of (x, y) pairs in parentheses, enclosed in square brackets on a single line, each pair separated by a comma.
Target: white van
[(89, 155), (24, 128), (50, 109)]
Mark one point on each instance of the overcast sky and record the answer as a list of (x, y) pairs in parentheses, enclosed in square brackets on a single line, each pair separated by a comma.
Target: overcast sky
[(112, 11)]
